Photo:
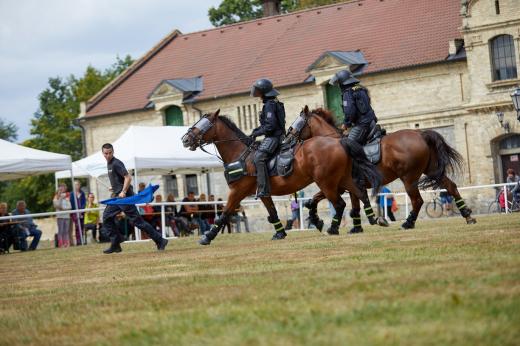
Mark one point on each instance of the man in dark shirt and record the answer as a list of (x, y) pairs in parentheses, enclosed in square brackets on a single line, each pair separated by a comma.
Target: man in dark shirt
[(120, 181)]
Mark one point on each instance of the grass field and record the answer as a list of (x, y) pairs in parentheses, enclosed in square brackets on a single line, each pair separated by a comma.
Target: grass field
[(443, 283)]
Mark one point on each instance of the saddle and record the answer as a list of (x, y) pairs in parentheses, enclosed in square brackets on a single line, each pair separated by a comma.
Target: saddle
[(372, 148), (281, 164)]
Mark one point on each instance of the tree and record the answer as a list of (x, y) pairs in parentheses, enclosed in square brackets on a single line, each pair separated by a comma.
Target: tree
[(54, 129), (235, 11), (8, 131)]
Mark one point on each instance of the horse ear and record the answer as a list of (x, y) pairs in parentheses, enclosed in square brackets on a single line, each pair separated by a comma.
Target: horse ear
[(217, 113), (306, 109)]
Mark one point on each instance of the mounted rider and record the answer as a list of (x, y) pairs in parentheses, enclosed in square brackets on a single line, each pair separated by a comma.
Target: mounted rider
[(272, 126), (359, 115)]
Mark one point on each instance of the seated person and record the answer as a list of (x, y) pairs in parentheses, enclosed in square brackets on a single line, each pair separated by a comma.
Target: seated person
[(240, 216), (7, 236), (27, 227), (156, 221), (91, 218), (188, 212), (446, 200), (124, 226), (177, 224)]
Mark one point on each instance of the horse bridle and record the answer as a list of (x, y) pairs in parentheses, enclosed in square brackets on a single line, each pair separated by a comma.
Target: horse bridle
[(203, 125), (298, 125)]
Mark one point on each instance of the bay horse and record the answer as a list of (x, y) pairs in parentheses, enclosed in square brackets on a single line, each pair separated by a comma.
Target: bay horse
[(310, 165), (405, 154)]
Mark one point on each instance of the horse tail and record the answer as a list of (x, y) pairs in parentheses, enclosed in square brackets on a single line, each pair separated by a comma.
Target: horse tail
[(443, 160)]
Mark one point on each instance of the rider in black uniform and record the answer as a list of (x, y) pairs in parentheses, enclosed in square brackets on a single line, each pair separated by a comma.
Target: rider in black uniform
[(359, 120), (272, 126)]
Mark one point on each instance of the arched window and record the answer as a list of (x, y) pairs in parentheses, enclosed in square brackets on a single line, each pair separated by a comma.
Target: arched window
[(503, 57), (174, 116)]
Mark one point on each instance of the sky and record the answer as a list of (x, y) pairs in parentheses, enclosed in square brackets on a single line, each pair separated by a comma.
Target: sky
[(43, 39)]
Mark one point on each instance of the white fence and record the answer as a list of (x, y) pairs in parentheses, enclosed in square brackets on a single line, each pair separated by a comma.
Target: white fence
[(257, 214)]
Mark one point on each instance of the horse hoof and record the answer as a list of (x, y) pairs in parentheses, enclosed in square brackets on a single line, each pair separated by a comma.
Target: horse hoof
[(381, 221), (333, 231), (355, 230), (279, 235), (204, 240), (471, 221), (372, 220), (408, 225), (319, 225)]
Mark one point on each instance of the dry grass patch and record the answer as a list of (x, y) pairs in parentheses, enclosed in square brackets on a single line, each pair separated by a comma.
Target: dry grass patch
[(443, 283)]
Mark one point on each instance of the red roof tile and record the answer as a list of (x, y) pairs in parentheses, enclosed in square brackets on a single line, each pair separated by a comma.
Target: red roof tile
[(391, 34)]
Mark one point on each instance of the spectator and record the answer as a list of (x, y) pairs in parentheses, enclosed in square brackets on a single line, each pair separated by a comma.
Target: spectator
[(202, 216), (141, 187), (178, 226), (446, 200), (211, 210), (79, 223), (389, 202), (240, 216), (156, 221), (61, 202), (27, 226), (188, 211), (92, 218), (7, 233), (512, 177)]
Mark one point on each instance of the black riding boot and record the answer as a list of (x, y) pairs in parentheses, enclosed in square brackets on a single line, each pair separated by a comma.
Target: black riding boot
[(262, 178)]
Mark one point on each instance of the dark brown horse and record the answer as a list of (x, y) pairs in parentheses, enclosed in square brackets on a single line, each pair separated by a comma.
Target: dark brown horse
[(310, 165), (406, 154)]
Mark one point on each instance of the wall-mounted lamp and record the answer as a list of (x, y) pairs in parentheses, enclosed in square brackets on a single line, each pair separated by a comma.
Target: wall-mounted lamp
[(515, 96), (504, 125)]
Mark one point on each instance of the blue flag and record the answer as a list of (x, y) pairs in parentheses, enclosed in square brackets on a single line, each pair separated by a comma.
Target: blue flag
[(145, 196)]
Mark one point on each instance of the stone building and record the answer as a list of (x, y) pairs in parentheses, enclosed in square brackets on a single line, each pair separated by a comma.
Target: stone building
[(448, 65)]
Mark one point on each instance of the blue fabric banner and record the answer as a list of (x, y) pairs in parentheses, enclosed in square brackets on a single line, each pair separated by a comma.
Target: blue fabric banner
[(145, 196)]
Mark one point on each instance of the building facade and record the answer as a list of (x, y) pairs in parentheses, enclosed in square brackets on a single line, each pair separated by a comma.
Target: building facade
[(451, 70)]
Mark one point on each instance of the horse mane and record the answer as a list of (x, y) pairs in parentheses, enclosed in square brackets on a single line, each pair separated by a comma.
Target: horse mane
[(233, 127), (325, 115)]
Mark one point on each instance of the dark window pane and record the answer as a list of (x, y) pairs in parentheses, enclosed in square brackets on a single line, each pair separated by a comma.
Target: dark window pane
[(503, 57)]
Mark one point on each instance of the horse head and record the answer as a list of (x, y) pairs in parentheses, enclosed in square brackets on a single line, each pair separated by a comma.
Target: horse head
[(202, 132), (318, 122)]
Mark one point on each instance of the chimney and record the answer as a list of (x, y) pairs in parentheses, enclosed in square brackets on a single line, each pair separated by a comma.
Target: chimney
[(271, 7)]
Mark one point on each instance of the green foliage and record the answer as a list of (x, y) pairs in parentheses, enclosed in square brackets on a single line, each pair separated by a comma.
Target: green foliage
[(54, 129), (8, 131), (235, 11)]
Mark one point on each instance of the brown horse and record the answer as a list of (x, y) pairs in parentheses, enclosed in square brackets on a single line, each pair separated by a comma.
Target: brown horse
[(310, 165), (405, 154)]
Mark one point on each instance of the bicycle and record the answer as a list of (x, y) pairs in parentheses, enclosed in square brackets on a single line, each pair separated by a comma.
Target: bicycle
[(435, 208), (513, 205)]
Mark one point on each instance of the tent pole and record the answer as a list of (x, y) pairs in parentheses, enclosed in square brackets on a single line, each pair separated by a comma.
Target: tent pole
[(137, 231), (208, 182), (76, 200)]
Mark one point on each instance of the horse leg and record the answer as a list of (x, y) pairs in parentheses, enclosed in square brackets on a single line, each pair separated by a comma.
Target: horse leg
[(233, 201), (369, 212), (465, 212), (355, 214), (312, 205), (415, 196), (339, 208), (273, 218)]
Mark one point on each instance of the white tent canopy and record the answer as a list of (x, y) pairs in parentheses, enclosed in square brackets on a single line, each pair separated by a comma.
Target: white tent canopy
[(151, 151), (17, 161)]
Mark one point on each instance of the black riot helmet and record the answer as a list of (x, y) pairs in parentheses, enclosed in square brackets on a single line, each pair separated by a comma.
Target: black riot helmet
[(264, 87), (343, 78)]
